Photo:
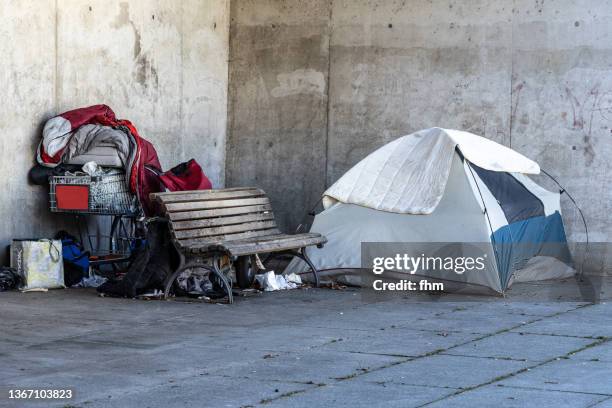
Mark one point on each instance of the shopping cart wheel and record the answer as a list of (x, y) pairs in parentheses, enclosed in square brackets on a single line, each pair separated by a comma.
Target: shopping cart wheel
[(245, 271)]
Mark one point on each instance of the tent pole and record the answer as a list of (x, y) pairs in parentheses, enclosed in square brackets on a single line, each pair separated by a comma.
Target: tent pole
[(586, 228)]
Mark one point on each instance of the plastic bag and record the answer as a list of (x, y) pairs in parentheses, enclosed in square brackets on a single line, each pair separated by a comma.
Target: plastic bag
[(38, 263)]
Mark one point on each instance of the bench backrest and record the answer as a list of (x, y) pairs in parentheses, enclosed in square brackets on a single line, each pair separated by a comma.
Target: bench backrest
[(200, 218)]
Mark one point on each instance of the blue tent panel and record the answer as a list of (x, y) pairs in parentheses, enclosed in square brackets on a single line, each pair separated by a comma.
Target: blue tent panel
[(520, 241), (516, 201)]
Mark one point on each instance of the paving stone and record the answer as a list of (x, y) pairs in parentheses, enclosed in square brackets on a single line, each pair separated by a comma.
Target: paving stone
[(401, 342), (601, 352), (204, 391), (469, 321), (375, 317), (541, 309), (606, 403), (532, 347), (87, 382), (38, 331), (294, 338), (361, 394), (506, 397), (589, 321), (567, 375), (314, 366), (446, 371)]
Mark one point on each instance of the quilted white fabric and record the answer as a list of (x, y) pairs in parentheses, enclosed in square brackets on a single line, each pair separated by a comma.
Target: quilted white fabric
[(409, 175), (58, 131)]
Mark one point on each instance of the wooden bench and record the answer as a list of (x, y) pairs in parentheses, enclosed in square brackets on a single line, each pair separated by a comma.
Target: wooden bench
[(206, 225)]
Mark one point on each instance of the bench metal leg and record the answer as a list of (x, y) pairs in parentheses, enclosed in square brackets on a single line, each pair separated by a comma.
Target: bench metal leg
[(226, 283), (170, 280), (227, 286), (301, 253)]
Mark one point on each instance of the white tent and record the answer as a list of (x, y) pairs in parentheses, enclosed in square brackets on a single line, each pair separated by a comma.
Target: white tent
[(440, 185)]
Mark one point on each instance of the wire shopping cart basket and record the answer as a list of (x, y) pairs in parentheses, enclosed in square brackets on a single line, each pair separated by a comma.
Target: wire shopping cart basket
[(83, 194), (105, 195)]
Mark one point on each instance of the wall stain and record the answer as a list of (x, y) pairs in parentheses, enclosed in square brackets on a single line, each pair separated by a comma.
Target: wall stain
[(300, 81), (516, 99), (604, 106), (582, 117), (144, 72)]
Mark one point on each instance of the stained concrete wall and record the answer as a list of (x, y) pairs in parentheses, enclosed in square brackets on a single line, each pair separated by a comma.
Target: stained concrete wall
[(534, 75), (278, 104), (161, 64)]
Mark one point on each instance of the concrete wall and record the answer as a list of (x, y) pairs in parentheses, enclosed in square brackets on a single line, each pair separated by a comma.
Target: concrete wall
[(278, 101), (534, 75), (161, 64)]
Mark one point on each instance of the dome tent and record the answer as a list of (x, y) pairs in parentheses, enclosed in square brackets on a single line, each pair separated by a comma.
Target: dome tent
[(441, 185)]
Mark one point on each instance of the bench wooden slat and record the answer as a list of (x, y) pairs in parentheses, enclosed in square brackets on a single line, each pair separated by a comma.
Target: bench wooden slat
[(156, 196), (220, 221), (274, 244), (208, 205), (225, 229), (160, 196), (209, 195), (218, 212), (270, 243), (237, 221), (219, 240)]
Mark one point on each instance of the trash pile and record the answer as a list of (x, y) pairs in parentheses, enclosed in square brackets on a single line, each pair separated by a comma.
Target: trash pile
[(270, 281)]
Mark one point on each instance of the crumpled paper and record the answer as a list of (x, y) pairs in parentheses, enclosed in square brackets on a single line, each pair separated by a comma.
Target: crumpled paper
[(92, 168), (270, 281)]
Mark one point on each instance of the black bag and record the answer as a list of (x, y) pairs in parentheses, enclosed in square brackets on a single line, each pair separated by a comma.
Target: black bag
[(151, 263), (39, 175)]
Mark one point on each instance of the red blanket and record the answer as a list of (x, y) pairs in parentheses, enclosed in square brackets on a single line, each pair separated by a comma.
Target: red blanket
[(184, 177), (57, 133)]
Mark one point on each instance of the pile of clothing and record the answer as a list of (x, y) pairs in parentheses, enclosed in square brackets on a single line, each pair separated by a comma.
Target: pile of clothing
[(94, 134)]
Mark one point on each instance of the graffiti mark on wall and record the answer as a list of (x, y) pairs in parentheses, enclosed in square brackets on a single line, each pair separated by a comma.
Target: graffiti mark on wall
[(583, 110), (515, 96)]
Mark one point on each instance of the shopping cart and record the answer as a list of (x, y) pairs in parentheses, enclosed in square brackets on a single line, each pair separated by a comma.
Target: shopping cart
[(106, 201)]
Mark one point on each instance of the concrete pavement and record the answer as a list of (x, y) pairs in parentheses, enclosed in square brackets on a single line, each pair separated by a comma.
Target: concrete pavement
[(311, 348)]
